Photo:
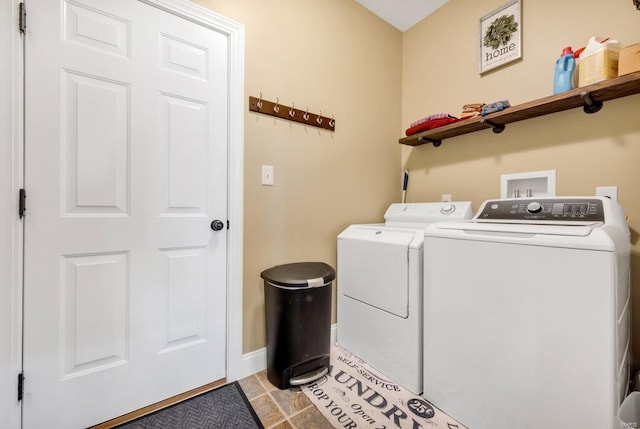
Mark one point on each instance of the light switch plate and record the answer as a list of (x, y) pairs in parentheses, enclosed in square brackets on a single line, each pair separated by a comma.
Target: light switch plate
[(267, 175)]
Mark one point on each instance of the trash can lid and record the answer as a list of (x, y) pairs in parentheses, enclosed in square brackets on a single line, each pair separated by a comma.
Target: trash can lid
[(300, 274)]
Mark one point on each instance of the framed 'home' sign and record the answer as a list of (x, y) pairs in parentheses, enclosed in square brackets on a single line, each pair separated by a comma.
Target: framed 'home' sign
[(501, 36)]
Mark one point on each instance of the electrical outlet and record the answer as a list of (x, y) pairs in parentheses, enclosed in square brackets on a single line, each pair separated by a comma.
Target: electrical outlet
[(446, 198), (267, 175), (607, 191)]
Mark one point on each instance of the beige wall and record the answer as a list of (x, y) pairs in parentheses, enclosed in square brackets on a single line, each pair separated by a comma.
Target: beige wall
[(336, 57), (332, 56), (440, 74)]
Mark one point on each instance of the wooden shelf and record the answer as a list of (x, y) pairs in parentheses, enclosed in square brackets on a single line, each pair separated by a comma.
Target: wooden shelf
[(598, 92)]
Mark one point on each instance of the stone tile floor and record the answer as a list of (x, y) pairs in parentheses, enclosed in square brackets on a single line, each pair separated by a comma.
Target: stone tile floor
[(281, 409)]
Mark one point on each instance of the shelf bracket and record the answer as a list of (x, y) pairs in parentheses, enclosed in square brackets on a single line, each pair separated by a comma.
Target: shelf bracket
[(435, 142), (497, 128), (590, 106)]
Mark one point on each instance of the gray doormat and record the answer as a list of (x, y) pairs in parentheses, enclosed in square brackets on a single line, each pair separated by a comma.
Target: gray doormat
[(224, 407)]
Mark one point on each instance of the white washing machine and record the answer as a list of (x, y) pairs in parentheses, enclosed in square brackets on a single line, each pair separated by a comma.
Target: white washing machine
[(527, 314), (379, 281)]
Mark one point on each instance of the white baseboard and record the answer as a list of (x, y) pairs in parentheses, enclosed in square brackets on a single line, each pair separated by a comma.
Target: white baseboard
[(256, 361)]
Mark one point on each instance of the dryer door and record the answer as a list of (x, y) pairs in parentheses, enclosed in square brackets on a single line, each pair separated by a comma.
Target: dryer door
[(373, 267)]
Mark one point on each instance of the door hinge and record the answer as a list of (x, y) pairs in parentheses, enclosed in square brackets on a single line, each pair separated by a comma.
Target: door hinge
[(227, 224), (20, 386), (22, 203), (22, 18)]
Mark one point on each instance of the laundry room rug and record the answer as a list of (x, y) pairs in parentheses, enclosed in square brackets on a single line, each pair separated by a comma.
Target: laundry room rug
[(354, 395)]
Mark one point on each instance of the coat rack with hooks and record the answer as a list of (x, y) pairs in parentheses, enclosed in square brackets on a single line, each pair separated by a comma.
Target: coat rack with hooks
[(258, 104)]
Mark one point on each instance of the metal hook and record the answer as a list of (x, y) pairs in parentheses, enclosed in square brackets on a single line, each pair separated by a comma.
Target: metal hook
[(332, 122), (276, 108), (259, 103), (319, 118), (306, 114), (292, 113)]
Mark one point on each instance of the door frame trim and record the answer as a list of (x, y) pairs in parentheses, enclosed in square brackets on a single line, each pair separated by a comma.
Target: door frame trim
[(12, 179), (11, 232)]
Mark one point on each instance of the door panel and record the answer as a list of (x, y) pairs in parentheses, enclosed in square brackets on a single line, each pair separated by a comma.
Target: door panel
[(95, 144), (93, 312), (126, 166)]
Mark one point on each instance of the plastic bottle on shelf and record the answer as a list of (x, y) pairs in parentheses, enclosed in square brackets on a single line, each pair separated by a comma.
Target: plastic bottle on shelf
[(599, 60), (563, 76), (576, 71)]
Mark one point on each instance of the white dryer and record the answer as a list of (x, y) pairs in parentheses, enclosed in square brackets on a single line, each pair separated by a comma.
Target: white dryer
[(527, 314), (379, 284)]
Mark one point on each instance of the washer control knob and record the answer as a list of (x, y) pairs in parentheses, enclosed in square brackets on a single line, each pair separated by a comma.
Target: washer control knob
[(448, 209), (534, 207)]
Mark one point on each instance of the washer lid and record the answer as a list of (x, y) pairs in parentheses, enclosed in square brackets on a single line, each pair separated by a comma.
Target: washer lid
[(581, 230), (586, 237)]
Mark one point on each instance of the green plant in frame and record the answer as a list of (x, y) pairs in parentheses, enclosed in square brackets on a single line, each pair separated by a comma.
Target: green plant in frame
[(500, 31)]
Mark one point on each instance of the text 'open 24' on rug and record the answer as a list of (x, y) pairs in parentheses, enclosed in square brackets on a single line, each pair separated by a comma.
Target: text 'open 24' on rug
[(354, 395), (221, 408)]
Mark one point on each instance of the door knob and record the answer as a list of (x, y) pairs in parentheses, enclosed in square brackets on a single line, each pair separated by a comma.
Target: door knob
[(217, 225)]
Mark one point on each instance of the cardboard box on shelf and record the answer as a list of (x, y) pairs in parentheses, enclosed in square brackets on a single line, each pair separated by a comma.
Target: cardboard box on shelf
[(629, 59)]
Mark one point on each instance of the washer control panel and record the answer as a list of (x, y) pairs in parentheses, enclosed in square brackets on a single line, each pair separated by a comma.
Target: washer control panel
[(549, 209)]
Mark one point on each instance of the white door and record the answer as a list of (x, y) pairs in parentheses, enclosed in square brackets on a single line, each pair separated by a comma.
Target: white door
[(126, 167)]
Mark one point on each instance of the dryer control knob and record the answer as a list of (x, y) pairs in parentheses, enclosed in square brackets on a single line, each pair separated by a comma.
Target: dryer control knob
[(448, 209), (534, 207)]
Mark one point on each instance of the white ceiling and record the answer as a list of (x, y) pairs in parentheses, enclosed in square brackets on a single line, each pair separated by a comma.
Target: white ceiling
[(402, 14)]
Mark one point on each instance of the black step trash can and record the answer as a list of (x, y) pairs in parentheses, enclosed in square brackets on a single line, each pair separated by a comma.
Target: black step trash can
[(298, 320)]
